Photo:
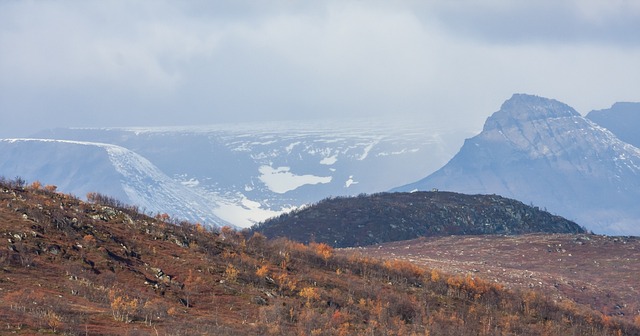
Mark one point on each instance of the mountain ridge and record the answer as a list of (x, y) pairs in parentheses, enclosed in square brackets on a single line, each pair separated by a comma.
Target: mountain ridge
[(562, 161), (622, 119)]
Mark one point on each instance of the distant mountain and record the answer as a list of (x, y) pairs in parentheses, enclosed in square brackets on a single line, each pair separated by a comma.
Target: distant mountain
[(543, 152), (81, 167), (253, 171), (386, 217), (622, 119)]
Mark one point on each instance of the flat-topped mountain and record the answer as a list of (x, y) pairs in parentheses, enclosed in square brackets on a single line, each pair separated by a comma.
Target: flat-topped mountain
[(385, 217), (542, 151)]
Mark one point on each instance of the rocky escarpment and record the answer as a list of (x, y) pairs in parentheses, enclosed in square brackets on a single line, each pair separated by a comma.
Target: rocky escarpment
[(385, 217)]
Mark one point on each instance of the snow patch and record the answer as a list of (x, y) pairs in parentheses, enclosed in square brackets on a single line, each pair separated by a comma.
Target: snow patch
[(290, 147), (367, 150), (349, 182), (400, 152), (191, 183), (280, 180), (246, 212), (329, 160)]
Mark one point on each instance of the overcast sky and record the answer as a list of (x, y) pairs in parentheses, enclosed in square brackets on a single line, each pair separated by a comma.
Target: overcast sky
[(136, 63)]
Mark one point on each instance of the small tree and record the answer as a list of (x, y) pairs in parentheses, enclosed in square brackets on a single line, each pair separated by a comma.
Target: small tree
[(323, 250), (50, 188), (36, 185), (192, 287), (122, 307), (309, 293), (231, 273)]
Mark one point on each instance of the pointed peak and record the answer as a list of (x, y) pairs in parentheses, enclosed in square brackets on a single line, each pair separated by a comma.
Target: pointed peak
[(524, 107)]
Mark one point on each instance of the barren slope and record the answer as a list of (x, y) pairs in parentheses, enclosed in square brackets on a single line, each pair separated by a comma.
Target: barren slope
[(598, 271)]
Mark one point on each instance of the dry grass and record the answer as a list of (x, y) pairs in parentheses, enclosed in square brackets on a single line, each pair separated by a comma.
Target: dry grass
[(598, 271)]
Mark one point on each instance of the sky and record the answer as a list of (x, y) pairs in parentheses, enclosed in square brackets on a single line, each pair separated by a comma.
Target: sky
[(451, 63)]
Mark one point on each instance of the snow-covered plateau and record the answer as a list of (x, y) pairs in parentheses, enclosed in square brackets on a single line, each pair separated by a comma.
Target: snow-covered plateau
[(232, 174)]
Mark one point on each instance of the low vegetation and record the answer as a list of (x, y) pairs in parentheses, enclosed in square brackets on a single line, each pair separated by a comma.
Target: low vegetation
[(76, 268)]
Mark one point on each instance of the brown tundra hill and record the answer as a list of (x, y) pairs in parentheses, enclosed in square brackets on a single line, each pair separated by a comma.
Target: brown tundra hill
[(102, 268), (592, 270), (385, 217)]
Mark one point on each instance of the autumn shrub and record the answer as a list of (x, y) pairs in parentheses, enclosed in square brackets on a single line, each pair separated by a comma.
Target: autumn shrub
[(231, 273), (123, 307)]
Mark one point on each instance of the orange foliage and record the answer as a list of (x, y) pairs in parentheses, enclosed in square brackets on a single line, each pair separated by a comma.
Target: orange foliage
[(50, 188), (286, 282), (89, 240), (36, 185), (309, 293), (262, 271), (323, 250), (163, 217), (122, 307), (231, 273), (435, 275), (200, 228)]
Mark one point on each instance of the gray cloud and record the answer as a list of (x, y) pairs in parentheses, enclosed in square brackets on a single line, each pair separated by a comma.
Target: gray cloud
[(117, 63), (607, 23)]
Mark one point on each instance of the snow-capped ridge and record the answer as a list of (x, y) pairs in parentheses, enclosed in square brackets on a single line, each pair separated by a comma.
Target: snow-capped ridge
[(542, 151), (80, 167)]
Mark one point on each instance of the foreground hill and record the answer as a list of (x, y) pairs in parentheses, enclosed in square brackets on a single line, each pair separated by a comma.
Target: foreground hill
[(68, 267), (542, 151), (385, 217)]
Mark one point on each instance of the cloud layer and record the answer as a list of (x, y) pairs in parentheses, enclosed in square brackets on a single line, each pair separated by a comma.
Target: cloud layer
[(117, 63)]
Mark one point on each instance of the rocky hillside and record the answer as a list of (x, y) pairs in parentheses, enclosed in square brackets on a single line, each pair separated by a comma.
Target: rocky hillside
[(385, 217), (74, 268)]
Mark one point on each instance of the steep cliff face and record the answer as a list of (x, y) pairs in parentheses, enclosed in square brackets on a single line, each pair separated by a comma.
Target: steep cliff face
[(542, 151)]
